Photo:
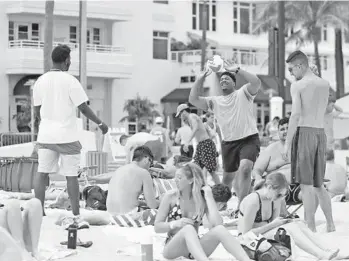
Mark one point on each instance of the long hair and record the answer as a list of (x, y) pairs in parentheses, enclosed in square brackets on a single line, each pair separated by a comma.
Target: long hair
[(193, 171), (276, 180)]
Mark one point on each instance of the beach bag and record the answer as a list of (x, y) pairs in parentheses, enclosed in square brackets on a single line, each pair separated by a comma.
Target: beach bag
[(261, 249)]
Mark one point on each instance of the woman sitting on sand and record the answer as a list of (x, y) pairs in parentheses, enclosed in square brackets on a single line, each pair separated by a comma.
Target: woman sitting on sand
[(180, 214), (260, 210), (20, 230)]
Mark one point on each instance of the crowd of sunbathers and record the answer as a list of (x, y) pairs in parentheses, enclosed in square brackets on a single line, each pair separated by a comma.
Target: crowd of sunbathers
[(263, 184)]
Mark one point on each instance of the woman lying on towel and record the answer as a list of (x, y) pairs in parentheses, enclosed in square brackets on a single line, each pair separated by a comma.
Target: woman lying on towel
[(20, 230), (182, 211), (259, 213)]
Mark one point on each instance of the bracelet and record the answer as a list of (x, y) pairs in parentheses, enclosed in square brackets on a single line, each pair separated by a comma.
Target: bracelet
[(100, 124), (171, 225), (237, 70)]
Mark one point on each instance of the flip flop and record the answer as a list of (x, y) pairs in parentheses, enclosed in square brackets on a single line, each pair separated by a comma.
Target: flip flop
[(86, 244)]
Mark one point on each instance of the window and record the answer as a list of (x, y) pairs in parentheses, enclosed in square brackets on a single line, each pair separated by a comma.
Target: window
[(161, 1), (23, 32), (324, 33), (197, 15), (245, 57), (320, 33), (160, 45), (243, 14), (345, 35), (96, 36), (186, 79), (93, 35), (73, 34), (11, 31), (35, 32)]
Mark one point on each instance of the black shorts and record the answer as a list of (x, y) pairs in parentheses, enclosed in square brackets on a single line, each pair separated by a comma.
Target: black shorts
[(206, 155), (292, 197), (235, 151)]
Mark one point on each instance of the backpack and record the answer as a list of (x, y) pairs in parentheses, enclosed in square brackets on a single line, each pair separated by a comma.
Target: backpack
[(261, 249)]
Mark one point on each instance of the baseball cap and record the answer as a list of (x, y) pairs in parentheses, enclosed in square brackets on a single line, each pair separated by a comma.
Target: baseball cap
[(159, 120), (181, 108)]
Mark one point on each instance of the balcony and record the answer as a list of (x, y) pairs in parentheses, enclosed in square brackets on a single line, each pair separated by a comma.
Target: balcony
[(26, 57), (110, 10), (256, 62)]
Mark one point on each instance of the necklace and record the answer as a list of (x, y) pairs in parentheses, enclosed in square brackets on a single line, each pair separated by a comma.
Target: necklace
[(55, 70)]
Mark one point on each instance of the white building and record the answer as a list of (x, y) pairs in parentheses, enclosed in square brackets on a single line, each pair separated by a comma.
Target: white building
[(129, 50)]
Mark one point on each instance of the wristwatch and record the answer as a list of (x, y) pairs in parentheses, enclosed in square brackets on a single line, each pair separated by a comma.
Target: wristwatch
[(237, 70)]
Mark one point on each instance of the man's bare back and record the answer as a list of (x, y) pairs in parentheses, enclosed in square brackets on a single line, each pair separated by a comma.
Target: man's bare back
[(314, 93), (201, 133), (127, 183)]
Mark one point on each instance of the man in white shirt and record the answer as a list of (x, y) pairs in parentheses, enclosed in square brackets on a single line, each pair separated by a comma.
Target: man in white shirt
[(164, 136), (56, 96), (153, 142), (183, 135), (234, 113)]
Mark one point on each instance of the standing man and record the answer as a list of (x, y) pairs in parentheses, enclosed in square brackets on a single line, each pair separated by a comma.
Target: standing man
[(307, 139), (56, 96), (164, 136), (205, 153), (234, 114), (182, 137)]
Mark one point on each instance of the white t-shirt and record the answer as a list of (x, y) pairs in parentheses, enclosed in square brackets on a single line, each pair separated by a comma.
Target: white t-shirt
[(183, 134), (59, 94), (234, 114)]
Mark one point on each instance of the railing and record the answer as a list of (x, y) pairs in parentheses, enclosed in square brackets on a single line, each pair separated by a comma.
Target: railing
[(12, 138), (193, 57), (89, 47)]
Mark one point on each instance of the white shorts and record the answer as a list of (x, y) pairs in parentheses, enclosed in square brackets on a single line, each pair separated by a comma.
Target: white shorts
[(63, 159)]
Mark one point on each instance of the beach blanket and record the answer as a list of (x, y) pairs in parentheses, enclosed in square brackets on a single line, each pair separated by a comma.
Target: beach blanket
[(138, 219)]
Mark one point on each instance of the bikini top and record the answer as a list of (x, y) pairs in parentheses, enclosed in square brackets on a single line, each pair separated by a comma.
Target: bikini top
[(259, 217)]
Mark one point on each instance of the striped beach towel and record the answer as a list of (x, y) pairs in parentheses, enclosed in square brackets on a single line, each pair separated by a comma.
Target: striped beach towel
[(139, 219), (163, 185)]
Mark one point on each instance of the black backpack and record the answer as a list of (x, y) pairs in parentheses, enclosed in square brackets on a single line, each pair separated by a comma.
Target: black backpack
[(262, 249)]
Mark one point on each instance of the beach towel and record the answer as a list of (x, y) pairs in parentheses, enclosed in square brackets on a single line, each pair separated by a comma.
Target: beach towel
[(163, 185), (136, 219)]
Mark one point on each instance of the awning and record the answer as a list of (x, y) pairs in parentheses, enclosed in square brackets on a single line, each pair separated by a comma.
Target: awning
[(180, 95)]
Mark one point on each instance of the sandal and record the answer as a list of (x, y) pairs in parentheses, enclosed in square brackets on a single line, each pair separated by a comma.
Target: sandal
[(86, 244)]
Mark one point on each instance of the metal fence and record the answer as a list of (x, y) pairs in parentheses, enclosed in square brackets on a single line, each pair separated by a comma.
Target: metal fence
[(12, 138)]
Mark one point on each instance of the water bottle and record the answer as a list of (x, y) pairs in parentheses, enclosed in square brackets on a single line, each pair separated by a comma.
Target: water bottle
[(72, 236), (147, 247)]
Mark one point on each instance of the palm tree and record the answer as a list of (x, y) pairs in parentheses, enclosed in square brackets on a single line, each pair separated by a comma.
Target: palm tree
[(141, 110), (48, 42), (310, 16)]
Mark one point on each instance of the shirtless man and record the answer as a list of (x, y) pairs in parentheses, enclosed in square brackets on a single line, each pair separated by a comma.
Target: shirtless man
[(129, 181), (271, 160), (205, 155), (306, 136), (234, 113), (153, 142)]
